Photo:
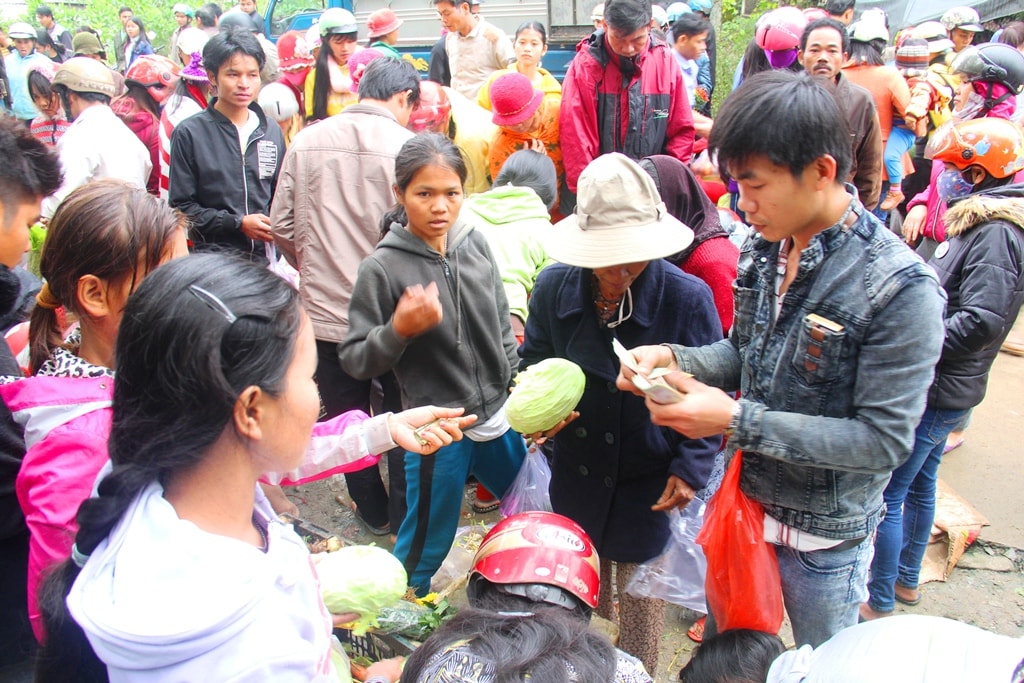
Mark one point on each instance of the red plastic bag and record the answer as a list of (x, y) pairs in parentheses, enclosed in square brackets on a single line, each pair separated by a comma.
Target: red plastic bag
[(743, 586)]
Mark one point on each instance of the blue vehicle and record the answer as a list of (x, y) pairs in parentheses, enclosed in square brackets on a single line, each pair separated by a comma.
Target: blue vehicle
[(567, 23)]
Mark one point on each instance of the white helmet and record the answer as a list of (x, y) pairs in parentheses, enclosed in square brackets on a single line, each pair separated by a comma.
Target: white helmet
[(22, 30), (278, 101)]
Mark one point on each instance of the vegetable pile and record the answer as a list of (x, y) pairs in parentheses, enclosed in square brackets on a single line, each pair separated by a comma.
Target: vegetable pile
[(544, 395), (362, 579)]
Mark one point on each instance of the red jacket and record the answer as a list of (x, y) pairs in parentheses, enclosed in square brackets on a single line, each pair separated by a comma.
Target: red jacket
[(147, 128), (649, 115)]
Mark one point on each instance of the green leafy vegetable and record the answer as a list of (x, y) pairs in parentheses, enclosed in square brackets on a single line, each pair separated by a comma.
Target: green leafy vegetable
[(544, 395), (361, 579)]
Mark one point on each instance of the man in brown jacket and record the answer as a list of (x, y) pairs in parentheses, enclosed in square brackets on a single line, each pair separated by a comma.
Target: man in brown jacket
[(334, 186), (824, 48)]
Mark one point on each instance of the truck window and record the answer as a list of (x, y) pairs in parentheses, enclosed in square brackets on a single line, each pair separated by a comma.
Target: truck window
[(284, 13)]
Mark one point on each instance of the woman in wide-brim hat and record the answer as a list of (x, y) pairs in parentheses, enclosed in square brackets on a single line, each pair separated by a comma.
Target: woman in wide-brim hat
[(613, 471)]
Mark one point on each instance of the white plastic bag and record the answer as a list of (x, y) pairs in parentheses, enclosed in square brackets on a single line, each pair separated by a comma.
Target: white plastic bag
[(677, 574), (529, 490)]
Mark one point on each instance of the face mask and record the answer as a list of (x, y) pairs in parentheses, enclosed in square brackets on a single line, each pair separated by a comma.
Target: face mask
[(952, 185), (971, 109)]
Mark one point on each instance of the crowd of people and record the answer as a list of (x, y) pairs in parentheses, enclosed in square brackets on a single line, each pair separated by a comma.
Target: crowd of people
[(265, 264)]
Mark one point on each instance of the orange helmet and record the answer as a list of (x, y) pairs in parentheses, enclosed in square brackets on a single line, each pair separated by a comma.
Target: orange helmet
[(433, 111), (539, 556), (996, 145), (155, 73)]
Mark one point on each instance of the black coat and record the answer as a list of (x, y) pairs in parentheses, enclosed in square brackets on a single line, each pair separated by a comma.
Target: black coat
[(981, 268), (611, 465)]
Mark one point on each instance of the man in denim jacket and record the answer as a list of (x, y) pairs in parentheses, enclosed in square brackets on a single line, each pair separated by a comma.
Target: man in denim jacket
[(837, 332)]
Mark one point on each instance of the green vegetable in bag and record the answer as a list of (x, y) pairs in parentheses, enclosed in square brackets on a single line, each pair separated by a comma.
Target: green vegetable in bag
[(544, 395), (361, 579)]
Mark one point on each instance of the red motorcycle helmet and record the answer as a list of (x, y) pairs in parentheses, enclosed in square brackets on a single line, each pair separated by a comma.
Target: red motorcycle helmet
[(539, 557), (781, 29), (156, 73), (433, 111)]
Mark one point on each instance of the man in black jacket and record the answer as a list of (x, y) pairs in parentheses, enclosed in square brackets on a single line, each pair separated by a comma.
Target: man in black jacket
[(225, 160), (28, 172)]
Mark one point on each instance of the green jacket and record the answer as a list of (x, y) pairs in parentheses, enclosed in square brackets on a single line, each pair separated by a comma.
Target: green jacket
[(513, 219)]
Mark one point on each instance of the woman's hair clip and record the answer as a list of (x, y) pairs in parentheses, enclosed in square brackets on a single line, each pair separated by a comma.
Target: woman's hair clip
[(214, 302)]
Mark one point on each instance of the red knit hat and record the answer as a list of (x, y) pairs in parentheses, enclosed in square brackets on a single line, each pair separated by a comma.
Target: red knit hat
[(293, 51), (383, 22), (513, 99)]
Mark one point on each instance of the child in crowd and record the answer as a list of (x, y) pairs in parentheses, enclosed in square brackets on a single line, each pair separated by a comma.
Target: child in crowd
[(180, 568), (430, 305), (526, 119), (51, 123), (530, 46), (930, 95), (383, 26), (102, 241)]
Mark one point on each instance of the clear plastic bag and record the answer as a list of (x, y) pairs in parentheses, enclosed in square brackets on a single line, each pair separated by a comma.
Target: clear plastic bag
[(677, 574), (529, 490)]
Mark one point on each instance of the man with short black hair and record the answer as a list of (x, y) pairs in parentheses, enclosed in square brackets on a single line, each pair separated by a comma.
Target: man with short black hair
[(335, 184), (475, 47), (841, 10), (59, 34), (226, 201), (838, 328), (824, 48), (641, 105)]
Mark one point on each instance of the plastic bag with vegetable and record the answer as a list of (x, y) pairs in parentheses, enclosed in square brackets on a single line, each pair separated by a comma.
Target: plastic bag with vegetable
[(361, 579)]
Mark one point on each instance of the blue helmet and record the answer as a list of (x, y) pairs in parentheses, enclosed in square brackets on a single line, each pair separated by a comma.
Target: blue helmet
[(701, 6), (676, 10)]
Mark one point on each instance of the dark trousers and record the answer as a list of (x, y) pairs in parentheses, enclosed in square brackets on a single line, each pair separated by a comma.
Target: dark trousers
[(17, 644), (339, 393)]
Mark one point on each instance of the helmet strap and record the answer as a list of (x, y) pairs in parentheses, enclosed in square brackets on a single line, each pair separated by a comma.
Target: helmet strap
[(992, 102)]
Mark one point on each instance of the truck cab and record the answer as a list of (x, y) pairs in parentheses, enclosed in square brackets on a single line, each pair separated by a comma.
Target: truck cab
[(567, 23)]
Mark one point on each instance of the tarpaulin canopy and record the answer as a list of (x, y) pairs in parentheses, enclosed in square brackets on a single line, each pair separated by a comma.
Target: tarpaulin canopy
[(903, 13)]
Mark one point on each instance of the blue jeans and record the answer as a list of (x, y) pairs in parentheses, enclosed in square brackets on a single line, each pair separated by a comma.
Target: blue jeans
[(903, 535), (434, 486), (900, 140), (822, 590)]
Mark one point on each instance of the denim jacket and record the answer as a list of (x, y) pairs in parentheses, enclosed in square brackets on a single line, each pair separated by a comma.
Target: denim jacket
[(828, 412)]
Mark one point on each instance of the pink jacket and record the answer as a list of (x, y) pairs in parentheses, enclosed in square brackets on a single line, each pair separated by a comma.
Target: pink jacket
[(67, 423)]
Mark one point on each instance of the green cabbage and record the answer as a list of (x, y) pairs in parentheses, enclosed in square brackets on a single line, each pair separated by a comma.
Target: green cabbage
[(544, 395), (362, 579)]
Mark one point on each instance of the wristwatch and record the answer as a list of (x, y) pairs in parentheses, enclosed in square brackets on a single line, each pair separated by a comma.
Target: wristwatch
[(734, 420)]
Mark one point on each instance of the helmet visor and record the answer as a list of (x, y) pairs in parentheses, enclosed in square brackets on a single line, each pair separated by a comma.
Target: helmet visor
[(945, 144), (970, 64)]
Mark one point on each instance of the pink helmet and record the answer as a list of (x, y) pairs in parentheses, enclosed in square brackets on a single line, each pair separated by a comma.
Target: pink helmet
[(780, 29), (156, 73), (434, 110), (293, 52)]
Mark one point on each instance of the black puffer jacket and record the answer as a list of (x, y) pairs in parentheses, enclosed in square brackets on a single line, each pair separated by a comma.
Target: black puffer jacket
[(982, 271)]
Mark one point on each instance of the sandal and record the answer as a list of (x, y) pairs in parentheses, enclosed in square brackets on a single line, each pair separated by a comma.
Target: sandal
[(483, 508), (954, 444), (908, 601), (375, 530), (696, 632)]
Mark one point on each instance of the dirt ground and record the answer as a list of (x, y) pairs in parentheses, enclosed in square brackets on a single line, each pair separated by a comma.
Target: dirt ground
[(986, 589)]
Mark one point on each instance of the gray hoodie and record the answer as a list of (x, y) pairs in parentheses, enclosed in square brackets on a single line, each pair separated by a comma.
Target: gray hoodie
[(468, 359)]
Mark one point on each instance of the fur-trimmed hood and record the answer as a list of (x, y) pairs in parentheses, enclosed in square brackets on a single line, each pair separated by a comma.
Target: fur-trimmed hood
[(1002, 203)]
